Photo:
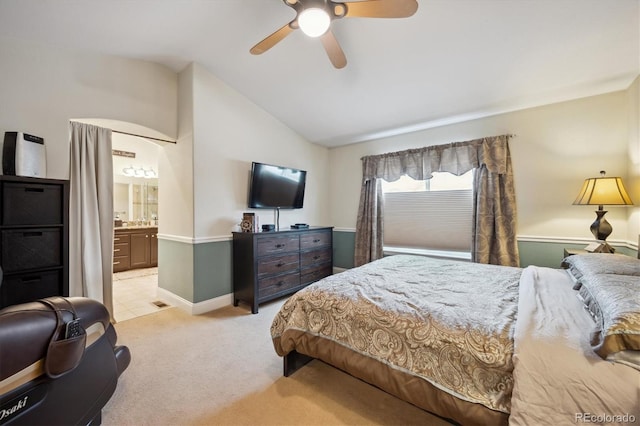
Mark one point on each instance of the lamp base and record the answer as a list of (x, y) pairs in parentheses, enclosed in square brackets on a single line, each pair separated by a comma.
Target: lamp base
[(603, 247), (600, 228)]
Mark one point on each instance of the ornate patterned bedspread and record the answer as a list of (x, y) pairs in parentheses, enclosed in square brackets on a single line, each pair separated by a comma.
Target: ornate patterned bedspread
[(450, 323)]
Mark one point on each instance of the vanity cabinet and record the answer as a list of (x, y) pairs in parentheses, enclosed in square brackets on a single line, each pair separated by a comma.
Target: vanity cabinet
[(153, 248), (135, 248), (34, 239), (269, 265), (121, 251)]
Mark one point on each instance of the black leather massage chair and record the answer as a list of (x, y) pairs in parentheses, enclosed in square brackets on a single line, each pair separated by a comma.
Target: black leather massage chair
[(59, 363)]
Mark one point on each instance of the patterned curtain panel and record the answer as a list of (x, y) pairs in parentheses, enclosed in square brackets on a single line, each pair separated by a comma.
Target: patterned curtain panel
[(494, 239), (369, 229)]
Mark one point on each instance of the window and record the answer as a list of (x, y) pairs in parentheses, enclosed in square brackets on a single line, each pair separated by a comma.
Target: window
[(433, 216)]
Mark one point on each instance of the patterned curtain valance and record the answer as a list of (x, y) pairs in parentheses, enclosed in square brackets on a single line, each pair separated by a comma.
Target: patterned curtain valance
[(457, 158)]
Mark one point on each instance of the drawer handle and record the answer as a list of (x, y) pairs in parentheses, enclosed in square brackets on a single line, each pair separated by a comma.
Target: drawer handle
[(279, 265), (279, 283), (116, 249), (116, 239), (34, 190), (279, 245), (116, 263), (32, 234), (316, 257), (317, 240)]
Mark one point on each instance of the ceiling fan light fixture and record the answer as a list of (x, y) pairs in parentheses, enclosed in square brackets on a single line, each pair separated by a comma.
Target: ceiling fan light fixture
[(314, 21)]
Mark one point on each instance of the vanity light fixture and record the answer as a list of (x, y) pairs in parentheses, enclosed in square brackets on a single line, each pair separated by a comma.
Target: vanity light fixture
[(139, 172), (129, 171)]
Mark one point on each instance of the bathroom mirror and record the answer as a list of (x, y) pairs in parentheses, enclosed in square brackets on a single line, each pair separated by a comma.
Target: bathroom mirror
[(136, 202)]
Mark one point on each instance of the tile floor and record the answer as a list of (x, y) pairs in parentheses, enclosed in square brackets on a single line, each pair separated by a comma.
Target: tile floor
[(134, 293)]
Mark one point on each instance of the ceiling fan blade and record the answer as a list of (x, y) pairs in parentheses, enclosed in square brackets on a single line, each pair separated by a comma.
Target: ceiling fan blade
[(381, 8), (273, 39), (333, 49)]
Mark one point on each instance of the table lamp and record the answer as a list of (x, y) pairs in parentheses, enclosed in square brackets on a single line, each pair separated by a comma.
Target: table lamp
[(600, 191)]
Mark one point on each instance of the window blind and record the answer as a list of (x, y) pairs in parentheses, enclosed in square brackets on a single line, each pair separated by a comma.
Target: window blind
[(437, 220)]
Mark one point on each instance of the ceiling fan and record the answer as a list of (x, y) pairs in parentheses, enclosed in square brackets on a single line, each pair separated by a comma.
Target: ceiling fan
[(314, 18)]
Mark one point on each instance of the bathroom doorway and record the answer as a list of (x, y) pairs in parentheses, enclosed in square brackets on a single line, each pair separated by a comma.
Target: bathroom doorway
[(136, 220)]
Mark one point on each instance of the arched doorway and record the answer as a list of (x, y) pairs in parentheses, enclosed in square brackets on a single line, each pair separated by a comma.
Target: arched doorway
[(136, 185)]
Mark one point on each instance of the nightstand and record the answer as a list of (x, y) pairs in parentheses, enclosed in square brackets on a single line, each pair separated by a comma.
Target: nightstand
[(571, 252)]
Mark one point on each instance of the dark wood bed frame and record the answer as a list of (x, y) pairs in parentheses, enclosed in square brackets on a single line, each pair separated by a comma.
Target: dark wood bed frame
[(293, 361)]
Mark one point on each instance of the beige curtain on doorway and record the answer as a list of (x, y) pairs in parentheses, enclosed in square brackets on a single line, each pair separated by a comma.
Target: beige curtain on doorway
[(91, 214), (494, 209)]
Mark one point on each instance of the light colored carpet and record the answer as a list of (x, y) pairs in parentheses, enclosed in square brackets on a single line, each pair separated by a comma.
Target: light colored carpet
[(220, 369)]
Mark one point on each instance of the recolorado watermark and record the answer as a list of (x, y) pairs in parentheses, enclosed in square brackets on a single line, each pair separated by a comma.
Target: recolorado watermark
[(604, 418)]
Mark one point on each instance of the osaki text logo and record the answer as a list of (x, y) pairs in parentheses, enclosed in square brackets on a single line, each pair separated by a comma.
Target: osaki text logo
[(7, 413)]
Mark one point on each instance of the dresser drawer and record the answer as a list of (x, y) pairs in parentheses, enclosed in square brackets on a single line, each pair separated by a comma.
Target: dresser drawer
[(315, 273), (29, 287), (275, 245), (315, 239), (278, 264), (29, 203), (274, 285), (314, 257), (31, 249)]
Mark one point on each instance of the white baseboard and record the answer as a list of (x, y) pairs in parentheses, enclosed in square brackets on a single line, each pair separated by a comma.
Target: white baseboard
[(195, 308), (207, 305)]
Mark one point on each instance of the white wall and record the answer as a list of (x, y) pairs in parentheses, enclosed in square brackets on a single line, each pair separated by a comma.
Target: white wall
[(229, 133), (175, 167), (41, 89), (556, 147), (633, 183)]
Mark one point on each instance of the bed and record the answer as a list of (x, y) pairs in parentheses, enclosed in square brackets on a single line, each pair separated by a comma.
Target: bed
[(478, 344)]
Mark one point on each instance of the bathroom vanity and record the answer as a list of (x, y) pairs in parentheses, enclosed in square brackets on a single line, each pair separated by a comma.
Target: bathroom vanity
[(135, 247)]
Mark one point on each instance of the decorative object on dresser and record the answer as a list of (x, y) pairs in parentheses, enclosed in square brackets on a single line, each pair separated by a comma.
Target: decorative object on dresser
[(599, 191), (135, 247), (274, 264), (34, 230), (249, 222)]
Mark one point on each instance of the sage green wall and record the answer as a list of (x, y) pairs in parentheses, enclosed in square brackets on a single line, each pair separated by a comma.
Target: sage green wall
[(537, 253), (212, 270), (175, 260), (195, 272), (344, 244)]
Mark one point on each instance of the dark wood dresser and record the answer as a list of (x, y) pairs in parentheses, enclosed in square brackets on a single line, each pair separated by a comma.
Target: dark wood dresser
[(34, 241), (269, 265)]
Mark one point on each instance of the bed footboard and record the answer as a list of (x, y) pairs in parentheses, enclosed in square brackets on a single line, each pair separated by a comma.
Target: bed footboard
[(293, 361)]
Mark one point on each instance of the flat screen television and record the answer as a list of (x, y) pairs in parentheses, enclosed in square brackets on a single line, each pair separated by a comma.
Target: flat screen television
[(276, 187)]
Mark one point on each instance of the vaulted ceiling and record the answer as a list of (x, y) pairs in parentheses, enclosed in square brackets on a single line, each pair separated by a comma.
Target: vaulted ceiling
[(453, 60)]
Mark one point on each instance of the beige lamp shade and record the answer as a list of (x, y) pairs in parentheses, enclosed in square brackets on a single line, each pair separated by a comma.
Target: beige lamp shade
[(603, 190)]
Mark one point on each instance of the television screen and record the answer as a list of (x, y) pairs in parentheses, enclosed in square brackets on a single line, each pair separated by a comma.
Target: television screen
[(276, 187)]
